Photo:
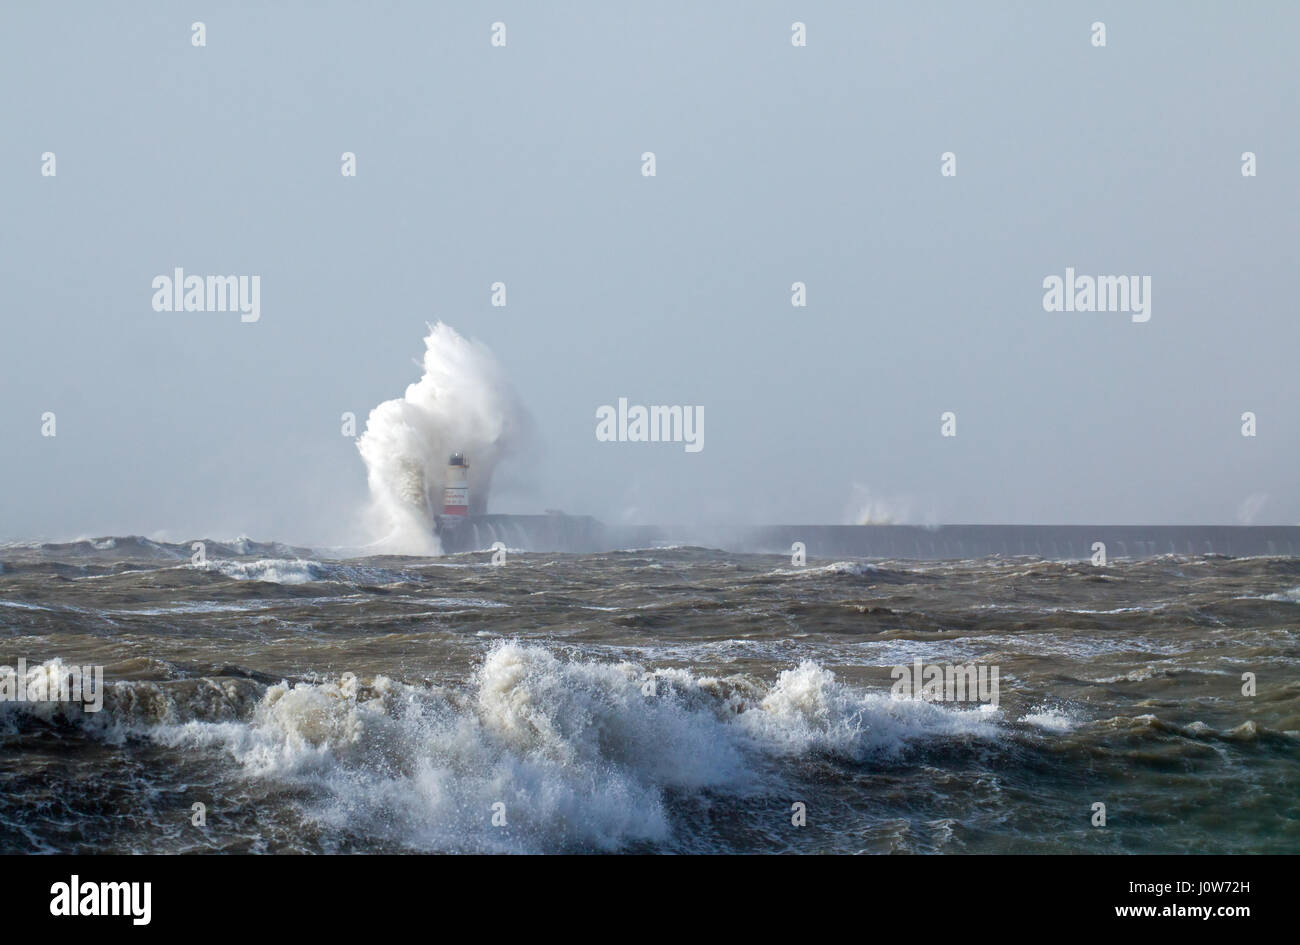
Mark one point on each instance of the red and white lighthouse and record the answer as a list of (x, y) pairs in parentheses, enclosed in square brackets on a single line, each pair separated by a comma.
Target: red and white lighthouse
[(455, 495)]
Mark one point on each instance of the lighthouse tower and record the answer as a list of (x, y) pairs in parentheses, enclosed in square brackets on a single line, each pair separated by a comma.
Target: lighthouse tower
[(455, 496)]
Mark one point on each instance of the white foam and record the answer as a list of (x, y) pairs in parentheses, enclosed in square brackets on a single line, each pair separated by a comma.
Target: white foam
[(20, 605), (1051, 719), (43, 681), (578, 751), (194, 607), (808, 710), (1136, 675), (1291, 596), (271, 570), (461, 404), (303, 571), (855, 568)]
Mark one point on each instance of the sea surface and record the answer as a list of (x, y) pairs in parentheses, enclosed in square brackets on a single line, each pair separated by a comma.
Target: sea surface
[(679, 699)]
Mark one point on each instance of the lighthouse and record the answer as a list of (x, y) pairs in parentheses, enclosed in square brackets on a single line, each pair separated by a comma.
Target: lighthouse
[(455, 496)]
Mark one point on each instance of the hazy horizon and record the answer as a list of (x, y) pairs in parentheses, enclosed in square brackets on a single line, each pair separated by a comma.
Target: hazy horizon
[(774, 165)]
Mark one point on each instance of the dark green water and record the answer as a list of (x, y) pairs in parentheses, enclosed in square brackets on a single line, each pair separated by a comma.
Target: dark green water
[(669, 700)]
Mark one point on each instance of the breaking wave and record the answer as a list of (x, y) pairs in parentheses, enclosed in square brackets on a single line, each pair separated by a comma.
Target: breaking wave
[(1291, 596), (304, 571), (463, 403), (584, 755)]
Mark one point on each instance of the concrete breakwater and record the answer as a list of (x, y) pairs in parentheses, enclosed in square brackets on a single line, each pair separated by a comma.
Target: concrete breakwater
[(584, 534)]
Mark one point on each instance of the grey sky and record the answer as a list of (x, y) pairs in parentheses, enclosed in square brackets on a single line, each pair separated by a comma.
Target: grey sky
[(774, 164)]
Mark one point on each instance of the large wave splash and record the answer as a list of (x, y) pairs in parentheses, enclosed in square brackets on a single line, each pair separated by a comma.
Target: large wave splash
[(463, 403), (581, 753)]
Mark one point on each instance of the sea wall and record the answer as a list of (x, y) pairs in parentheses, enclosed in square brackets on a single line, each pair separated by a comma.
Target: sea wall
[(584, 534)]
